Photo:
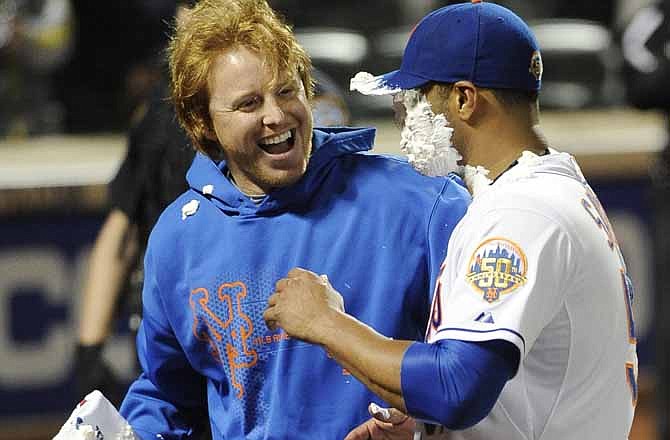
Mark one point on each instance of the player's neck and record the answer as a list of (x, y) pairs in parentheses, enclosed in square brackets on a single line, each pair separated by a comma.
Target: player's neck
[(502, 147)]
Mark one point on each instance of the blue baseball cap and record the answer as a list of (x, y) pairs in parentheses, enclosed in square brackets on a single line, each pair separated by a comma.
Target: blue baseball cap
[(478, 41)]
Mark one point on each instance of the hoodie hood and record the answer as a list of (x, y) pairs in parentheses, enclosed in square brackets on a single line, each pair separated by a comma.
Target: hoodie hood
[(208, 177)]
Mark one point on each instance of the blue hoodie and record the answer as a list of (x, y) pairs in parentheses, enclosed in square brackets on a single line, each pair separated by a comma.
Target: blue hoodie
[(376, 227)]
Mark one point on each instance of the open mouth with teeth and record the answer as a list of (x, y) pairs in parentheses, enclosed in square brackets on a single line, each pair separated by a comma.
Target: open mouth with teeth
[(279, 144)]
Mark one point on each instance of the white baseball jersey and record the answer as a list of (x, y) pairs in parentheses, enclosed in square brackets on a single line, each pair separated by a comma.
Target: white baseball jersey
[(535, 262)]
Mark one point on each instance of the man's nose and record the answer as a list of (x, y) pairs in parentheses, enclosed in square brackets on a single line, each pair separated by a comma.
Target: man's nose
[(273, 113)]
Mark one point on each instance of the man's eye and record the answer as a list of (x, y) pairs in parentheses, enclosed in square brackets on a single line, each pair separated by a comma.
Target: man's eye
[(287, 91), (248, 104)]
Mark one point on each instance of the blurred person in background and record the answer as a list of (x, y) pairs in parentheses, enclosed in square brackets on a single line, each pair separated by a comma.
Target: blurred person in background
[(645, 44), (150, 177), (35, 40)]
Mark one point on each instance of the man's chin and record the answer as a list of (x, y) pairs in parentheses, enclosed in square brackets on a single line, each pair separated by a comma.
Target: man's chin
[(280, 172), (283, 178)]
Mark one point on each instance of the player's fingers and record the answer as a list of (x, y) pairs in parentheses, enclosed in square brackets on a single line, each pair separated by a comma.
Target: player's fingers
[(272, 301), (361, 432), (270, 318), (282, 284), (296, 272), (400, 418), (387, 415), (300, 273)]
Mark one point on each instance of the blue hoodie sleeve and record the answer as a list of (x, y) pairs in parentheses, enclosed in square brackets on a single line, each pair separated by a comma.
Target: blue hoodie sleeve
[(168, 397)]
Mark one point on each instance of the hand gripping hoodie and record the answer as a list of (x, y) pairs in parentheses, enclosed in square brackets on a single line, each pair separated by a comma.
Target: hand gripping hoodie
[(375, 226)]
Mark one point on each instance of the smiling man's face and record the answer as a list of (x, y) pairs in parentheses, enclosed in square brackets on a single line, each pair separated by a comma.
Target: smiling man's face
[(263, 121)]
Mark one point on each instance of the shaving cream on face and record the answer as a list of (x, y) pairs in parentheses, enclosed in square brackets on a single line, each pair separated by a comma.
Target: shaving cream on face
[(426, 137)]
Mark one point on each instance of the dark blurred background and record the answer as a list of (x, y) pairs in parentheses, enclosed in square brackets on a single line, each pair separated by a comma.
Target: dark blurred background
[(77, 66), (75, 75)]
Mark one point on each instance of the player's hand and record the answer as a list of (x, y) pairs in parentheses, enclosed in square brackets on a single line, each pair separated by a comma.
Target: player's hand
[(301, 303), (385, 424)]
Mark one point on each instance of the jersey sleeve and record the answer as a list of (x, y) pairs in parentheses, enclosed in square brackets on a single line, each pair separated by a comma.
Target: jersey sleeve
[(168, 397), (505, 277)]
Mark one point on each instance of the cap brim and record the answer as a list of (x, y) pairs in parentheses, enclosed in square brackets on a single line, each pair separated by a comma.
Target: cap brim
[(387, 84)]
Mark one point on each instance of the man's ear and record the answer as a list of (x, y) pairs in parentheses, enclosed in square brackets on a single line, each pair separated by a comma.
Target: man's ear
[(465, 99)]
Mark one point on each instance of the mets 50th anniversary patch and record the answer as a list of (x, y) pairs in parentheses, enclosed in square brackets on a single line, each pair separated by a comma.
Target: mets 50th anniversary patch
[(498, 266)]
